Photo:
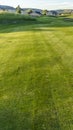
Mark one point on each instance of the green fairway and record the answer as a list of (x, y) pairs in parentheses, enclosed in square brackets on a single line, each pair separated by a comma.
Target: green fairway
[(36, 74)]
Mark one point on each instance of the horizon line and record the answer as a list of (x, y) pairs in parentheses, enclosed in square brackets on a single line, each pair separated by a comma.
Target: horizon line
[(36, 7)]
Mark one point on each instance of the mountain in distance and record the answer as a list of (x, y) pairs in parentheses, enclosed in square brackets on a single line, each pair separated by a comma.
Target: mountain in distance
[(34, 9), (5, 7)]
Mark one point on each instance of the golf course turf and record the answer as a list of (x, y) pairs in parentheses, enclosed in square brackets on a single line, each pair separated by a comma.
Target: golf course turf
[(36, 74)]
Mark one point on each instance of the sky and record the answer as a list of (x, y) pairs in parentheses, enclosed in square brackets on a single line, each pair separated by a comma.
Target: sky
[(41, 4)]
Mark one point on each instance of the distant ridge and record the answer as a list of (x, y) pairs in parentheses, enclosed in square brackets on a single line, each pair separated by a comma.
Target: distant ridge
[(34, 9), (58, 11), (12, 8), (6, 7)]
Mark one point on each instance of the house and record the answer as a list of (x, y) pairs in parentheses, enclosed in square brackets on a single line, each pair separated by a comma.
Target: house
[(35, 14), (11, 11), (38, 12), (24, 12), (52, 13), (49, 13)]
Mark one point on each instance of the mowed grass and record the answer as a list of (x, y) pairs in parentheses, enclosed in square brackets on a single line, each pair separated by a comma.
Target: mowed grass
[(36, 75)]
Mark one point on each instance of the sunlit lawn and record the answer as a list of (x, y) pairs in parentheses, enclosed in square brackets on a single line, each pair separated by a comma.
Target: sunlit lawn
[(36, 77)]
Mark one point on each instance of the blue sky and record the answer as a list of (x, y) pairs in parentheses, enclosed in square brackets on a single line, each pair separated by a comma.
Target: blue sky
[(42, 4)]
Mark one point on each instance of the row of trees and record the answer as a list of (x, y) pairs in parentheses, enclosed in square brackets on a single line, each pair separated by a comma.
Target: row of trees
[(18, 10), (29, 11), (44, 12)]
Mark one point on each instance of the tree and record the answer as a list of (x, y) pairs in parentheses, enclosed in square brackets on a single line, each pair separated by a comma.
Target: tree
[(18, 9), (44, 12), (29, 11)]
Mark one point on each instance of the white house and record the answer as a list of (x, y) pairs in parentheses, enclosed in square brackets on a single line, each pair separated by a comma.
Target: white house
[(35, 14)]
